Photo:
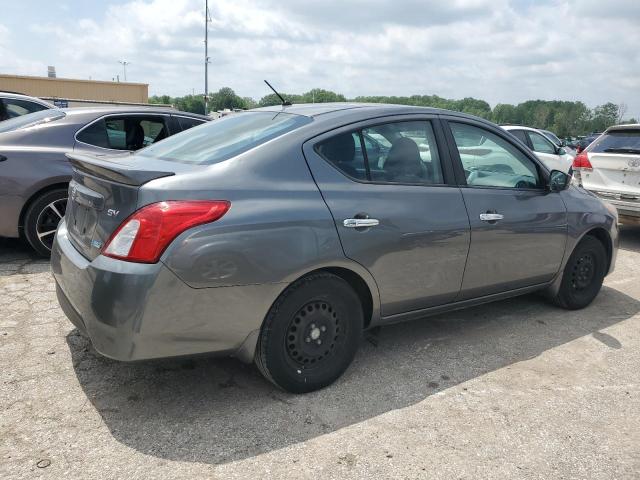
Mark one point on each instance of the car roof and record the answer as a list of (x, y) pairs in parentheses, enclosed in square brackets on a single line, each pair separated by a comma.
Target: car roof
[(107, 109), (21, 96), (520, 127), (316, 109), (628, 126)]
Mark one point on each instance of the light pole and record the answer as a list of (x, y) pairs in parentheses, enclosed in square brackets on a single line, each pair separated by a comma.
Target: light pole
[(207, 19), (124, 64)]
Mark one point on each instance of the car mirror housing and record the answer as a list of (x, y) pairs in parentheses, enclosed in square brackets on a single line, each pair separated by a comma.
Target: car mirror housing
[(558, 181), (562, 151)]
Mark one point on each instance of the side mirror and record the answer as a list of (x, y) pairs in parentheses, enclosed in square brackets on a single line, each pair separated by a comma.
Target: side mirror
[(558, 181), (562, 151)]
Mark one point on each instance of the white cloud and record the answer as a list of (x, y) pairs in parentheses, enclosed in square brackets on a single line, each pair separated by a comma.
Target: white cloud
[(498, 50)]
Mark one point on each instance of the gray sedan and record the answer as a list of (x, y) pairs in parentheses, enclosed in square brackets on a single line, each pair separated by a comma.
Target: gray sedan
[(34, 172), (279, 235)]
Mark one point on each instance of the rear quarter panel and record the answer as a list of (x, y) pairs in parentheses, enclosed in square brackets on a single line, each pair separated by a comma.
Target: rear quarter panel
[(277, 229)]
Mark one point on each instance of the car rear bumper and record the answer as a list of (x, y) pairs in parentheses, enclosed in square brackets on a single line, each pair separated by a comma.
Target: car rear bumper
[(625, 207), (134, 311)]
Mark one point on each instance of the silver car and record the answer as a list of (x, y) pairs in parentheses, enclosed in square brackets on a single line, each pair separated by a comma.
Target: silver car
[(34, 172), (278, 235), (13, 105)]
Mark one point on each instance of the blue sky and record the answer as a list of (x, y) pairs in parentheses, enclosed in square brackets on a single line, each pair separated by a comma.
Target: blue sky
[(497, 50)]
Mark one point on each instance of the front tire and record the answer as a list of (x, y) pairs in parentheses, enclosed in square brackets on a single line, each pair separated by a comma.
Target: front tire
[(583, 275), (42, 218), (310, 334)]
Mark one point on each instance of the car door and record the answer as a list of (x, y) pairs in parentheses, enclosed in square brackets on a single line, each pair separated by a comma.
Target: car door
[(518, 226), (122, 132), (546, 151), (391, 191)]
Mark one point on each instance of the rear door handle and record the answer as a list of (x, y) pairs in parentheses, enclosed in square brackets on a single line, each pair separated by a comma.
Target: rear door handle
[(360, 222), (491, 217)]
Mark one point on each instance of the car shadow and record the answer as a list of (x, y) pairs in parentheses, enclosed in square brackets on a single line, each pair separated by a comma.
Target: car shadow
[(16, 257), (219, 410), (630, 238)]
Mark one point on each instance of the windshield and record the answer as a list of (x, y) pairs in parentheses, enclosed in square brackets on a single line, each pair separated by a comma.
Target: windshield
[(617, 141), (224, 138), (31, 119)]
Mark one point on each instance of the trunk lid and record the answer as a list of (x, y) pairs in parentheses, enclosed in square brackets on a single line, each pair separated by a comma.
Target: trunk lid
[(616, 173), (103, 193)]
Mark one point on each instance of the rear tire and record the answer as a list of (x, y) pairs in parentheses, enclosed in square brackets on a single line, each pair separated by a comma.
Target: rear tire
[(42, 218), (583, 275), (310, 334)]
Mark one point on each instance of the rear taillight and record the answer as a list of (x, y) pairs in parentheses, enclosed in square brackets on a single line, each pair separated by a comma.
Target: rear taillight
[(581, 162), (144, 235)]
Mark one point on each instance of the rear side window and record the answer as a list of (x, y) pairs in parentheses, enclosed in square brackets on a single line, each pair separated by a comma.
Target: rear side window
[(32, 119), (520, 135), (225, 138), (124, 132), (398, 152), (16, 108), (617, 141), (186, 123)]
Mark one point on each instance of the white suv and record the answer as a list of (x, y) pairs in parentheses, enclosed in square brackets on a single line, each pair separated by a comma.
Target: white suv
[(555, 157), (610, 168)]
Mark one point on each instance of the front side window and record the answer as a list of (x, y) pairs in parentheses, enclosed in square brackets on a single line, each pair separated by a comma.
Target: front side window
[(541, 144), (124, 132), (399, 152), (491, 161)]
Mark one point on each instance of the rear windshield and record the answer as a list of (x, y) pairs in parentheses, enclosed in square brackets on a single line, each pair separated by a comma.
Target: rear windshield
[(31, 119), (224, 138), (617, 141)]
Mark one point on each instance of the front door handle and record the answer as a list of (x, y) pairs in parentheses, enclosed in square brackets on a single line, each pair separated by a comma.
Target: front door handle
[(360, 222), (491, 217)]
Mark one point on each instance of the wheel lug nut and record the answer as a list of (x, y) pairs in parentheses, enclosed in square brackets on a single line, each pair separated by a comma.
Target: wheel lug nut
[(307, 339), (323, 328), (319, 341), (313, 325)]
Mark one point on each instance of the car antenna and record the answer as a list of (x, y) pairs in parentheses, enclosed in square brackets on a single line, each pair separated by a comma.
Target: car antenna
[(285, 103)]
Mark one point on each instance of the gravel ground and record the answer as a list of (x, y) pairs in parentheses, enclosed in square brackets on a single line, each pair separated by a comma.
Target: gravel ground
[(515, 389)]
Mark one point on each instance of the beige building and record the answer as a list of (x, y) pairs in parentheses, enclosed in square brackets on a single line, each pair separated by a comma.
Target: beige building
[(76, 92)]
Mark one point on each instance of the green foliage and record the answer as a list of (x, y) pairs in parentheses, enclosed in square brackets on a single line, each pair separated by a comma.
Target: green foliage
[(565, 119)]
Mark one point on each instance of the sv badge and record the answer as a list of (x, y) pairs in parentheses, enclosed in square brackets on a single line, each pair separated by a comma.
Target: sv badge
[(113, 213)]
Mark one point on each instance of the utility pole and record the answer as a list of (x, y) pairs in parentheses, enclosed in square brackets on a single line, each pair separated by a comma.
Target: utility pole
[(207, 19), (124, 64)]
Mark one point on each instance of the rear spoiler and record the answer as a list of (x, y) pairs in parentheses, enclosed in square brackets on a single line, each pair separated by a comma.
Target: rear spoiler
[(113, 170)]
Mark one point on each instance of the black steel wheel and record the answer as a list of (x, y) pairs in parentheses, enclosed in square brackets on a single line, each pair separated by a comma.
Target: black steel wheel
[(42, 218), (311, 333), (583, 274)]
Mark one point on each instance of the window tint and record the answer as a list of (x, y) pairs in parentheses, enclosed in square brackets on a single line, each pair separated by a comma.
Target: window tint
[(403, 152), (344, 151), (491, 161), (225, 138), (124, 133), (617, 141), (32, 119), (541, 144), (400, 152), (186, 123), (520, 135), (16, 108)]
